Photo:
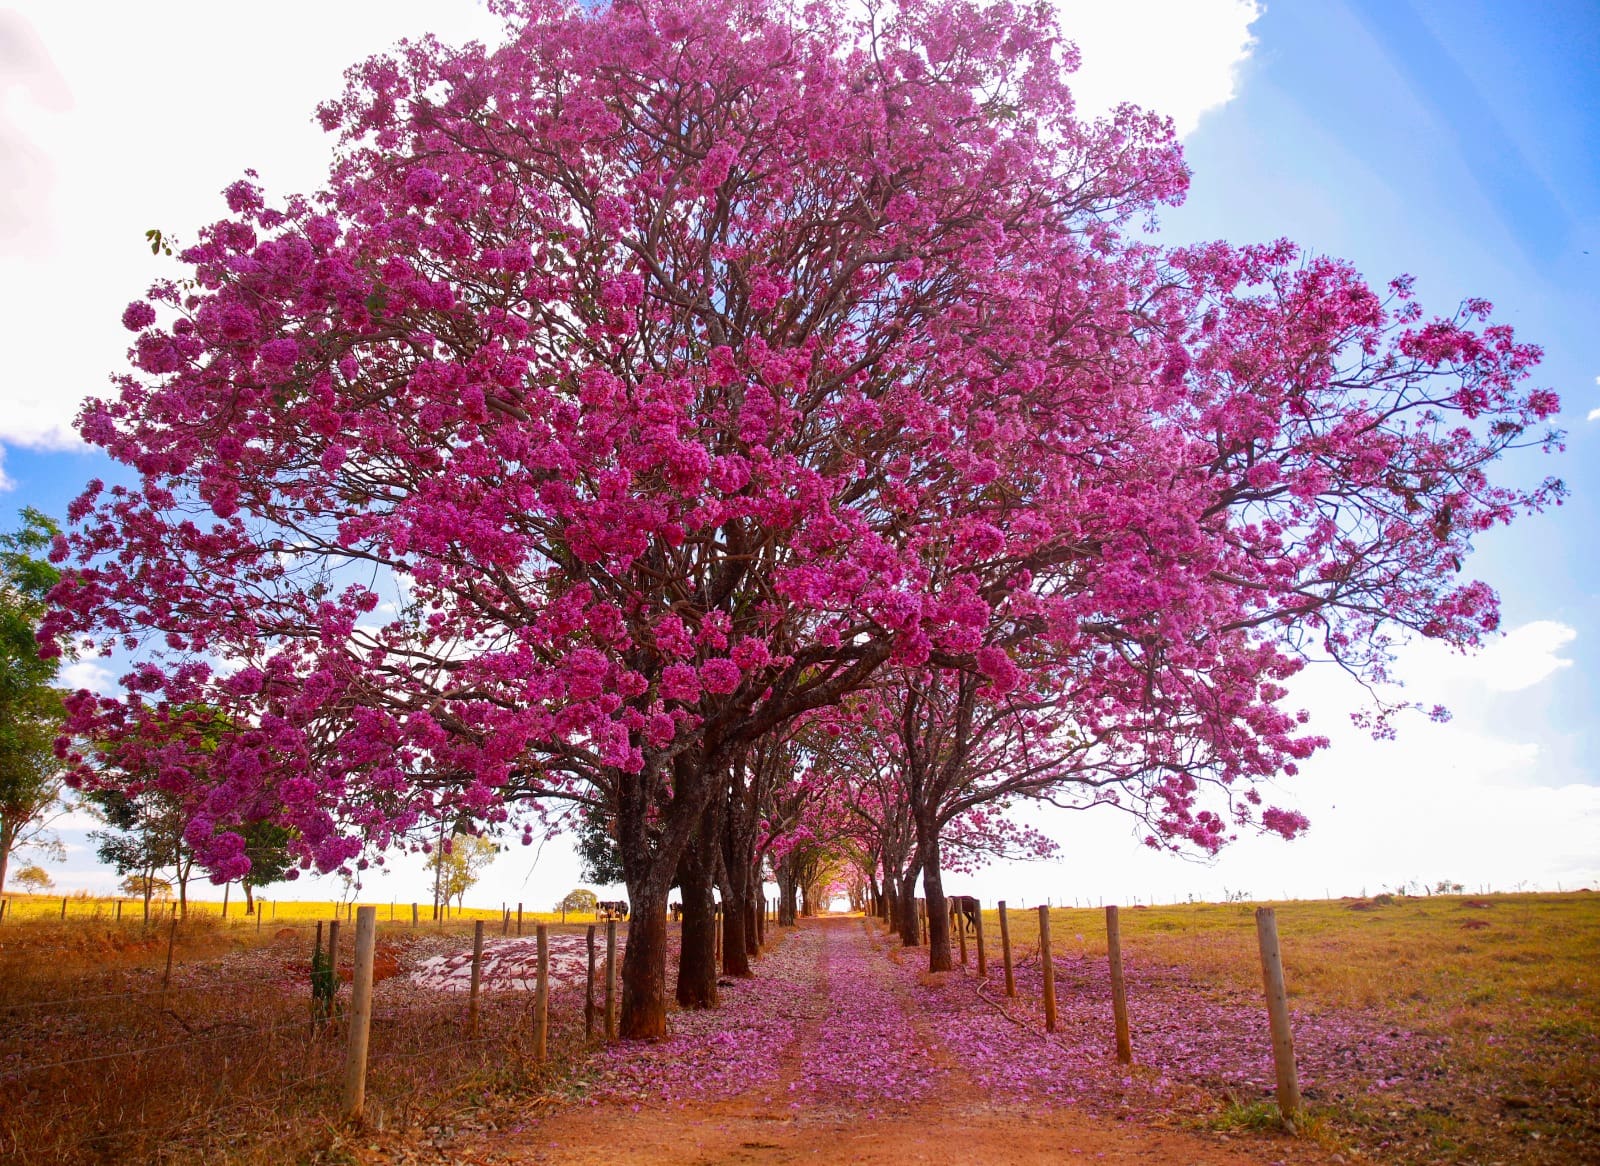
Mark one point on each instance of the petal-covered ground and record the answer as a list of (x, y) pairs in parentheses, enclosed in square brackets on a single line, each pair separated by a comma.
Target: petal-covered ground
[(509, 965), (867, 1051), (1185, 1041), (729, 1050)]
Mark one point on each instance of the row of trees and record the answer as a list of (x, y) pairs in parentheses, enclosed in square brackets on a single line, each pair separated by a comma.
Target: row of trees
[(759, 439)]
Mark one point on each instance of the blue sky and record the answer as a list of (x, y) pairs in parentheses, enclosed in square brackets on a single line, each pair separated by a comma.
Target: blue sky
[(1459, 142)]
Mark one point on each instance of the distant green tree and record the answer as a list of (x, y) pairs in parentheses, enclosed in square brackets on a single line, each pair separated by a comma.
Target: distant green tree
[(30, 705), (598, 852), (266, 845), (144, 837), (145, 887), (579, 902)]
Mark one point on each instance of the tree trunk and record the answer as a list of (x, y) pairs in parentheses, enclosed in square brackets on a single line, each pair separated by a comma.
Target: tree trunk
[(184, 870), (737, 937), (8, 837), (787, 909), (697, 964), (758, 901), (250, 899), (652, 841), (906, 919), (644, 965), (939, 959)]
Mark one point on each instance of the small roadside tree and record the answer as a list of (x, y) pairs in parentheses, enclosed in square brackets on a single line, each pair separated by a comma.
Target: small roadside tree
[(266, 845), (460, 863), (146, 887), (145, 839), (34, 879)]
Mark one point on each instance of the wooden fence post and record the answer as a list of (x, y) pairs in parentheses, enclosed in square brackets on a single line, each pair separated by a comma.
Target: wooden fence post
[(541, 994), (316, 954), (961, 929), (172, 939), (119, 911), (226, 887), (1049, 970), (413, 916), (1278, 1013), (611, 980), (3, 903), (1119, 986), (477, 976), (63, 907), (261, 909), (505, 921), (519, 918), (355, 1056), (1005, 950), (983, 964), (588, 992)]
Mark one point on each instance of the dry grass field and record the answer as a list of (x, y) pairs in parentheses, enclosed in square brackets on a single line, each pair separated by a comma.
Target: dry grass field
[(1443, 1029), (105, 1056), (1486, 1011)]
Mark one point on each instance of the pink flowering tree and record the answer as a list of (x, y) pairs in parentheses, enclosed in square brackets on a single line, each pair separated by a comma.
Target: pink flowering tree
[(631, 363), (639, 386)]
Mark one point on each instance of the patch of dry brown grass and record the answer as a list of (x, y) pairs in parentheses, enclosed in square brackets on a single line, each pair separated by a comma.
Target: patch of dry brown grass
[(1510, 982), (101, 1063)]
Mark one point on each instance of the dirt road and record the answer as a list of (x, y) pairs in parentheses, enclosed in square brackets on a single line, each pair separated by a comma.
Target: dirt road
[(826, 1058)]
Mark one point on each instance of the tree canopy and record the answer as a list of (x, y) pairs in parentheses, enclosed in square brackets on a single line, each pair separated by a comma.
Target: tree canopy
[(678, 369)]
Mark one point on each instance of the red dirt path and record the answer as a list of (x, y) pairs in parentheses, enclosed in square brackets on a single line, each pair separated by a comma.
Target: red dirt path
[(763, 1122)]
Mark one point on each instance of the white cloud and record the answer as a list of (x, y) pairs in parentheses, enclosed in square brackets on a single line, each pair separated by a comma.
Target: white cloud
[(1594, 415), (89, 674), (1523, 657), (1181, 58)]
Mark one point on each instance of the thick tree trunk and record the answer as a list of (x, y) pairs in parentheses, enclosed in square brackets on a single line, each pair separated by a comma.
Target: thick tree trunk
[(653, 843), (697, 878), (939, 959), (250, 899), (787, 890), (644, 965), (697, 962), (7, 842), (906, 919), (735, 929)]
